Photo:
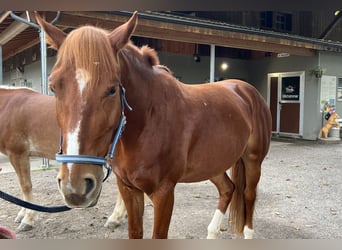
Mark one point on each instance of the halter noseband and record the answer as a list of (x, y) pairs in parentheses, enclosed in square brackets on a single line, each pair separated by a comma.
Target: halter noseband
[(95, 160)]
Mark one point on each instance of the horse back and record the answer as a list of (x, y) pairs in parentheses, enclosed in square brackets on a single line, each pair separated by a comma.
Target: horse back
[(258, 110), (27, 123)]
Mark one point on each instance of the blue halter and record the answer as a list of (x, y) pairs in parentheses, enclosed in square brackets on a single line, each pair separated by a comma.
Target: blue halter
[(95, 160)]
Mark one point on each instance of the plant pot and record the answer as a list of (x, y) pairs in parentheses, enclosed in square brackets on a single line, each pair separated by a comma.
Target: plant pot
[(5, 233)]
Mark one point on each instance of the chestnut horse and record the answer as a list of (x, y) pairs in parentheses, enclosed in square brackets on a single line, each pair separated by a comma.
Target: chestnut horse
[(174, 133), (28, 128)]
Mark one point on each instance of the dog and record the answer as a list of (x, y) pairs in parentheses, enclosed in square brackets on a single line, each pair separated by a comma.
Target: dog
[(330, 123)]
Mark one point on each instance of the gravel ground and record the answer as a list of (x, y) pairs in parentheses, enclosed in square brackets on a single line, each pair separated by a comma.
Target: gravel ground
[(299, 197)]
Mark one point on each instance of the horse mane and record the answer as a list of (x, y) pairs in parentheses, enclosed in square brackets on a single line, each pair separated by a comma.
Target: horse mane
[(149, 55), (88, 48), (4, 87), (144, 56), (165, 68)]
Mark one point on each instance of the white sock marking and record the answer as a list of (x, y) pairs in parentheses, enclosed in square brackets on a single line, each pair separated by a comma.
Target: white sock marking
[(118, 214), (248, 233), (215, 224)]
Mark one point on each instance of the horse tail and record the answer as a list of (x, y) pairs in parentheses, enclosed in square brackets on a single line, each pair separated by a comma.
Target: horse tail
[(237, 208)]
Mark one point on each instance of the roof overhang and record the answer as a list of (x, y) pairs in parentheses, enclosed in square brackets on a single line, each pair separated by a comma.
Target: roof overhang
[(15, 38)]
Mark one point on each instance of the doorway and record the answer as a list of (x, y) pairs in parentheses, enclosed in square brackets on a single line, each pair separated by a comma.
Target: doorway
[(286, 100)]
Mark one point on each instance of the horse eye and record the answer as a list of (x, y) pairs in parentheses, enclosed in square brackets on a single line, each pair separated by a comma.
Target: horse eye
[(52, 90), (111, 91)]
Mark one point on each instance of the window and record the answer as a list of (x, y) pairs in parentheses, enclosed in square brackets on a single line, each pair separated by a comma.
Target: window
[(339, 89), (266, 18), (277, 21), (283, 22)]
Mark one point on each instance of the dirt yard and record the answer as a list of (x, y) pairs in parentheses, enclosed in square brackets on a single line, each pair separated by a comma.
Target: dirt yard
[(299, 197)]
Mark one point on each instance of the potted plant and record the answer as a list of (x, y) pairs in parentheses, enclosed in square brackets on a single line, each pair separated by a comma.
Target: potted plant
[(317, 72)]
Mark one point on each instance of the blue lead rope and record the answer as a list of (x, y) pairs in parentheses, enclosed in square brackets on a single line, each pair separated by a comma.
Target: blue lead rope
[(25, 204)]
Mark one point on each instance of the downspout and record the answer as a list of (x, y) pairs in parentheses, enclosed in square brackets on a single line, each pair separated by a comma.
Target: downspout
[(44, 87), (212, 63), (1, 76)]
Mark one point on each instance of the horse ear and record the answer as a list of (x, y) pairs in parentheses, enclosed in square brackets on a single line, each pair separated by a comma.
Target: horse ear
[(120, 36), (54, 36)]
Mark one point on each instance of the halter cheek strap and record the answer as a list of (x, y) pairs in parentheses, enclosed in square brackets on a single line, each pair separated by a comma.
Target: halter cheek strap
[(95, 160)]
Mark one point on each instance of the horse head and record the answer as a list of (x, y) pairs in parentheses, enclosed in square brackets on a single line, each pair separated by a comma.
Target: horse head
[(86, 83)]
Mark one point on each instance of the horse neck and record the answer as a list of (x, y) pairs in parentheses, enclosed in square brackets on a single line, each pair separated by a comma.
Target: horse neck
[(146, 92), (138, 83)]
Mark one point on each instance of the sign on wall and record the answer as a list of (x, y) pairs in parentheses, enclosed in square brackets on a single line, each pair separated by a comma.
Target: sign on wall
[(290, 87)]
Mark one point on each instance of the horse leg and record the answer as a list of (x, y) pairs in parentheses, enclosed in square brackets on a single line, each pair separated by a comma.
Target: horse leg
[(21, 164), (163, 200), (253, 172), (225, 188), (134, 203), (118, 215)]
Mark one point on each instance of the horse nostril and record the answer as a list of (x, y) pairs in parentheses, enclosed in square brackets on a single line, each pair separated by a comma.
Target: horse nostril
[(59, 182), (89, 184)]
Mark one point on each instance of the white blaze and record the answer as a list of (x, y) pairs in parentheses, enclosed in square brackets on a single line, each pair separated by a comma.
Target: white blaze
[(73, 147), (82, 78), (73, 143)]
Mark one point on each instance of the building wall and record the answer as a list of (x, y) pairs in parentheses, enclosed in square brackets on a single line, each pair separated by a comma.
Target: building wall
[(187, 70), (32, 74), (332, 63), (253, 71), (182, 66), (312, 116)]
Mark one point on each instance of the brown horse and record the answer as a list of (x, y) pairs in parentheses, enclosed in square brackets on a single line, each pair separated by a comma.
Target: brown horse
[(175, 132), (28, 128)]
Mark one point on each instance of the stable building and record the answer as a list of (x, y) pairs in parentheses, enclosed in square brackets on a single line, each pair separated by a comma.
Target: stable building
[(294, 59)]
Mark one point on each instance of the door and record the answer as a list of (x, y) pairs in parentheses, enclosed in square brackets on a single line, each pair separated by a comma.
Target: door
[(286, 99)]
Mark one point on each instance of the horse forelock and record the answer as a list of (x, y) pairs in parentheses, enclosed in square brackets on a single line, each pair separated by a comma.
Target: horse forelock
[(88, 49)]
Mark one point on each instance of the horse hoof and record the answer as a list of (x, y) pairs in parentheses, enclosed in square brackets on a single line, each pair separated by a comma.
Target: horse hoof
[(24, 228), (112, 225)]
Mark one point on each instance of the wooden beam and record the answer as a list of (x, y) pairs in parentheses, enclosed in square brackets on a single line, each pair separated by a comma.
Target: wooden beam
[(4, 16), (191, 34), (11, 31), (228, 39), (21, 48), (183, 33)]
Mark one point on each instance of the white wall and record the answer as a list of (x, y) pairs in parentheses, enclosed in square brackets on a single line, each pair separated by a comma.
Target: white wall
[(32, 74), (188, 71)]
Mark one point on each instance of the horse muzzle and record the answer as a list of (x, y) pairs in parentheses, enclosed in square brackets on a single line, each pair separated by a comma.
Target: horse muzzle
[(80, 192), (74, 200)]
